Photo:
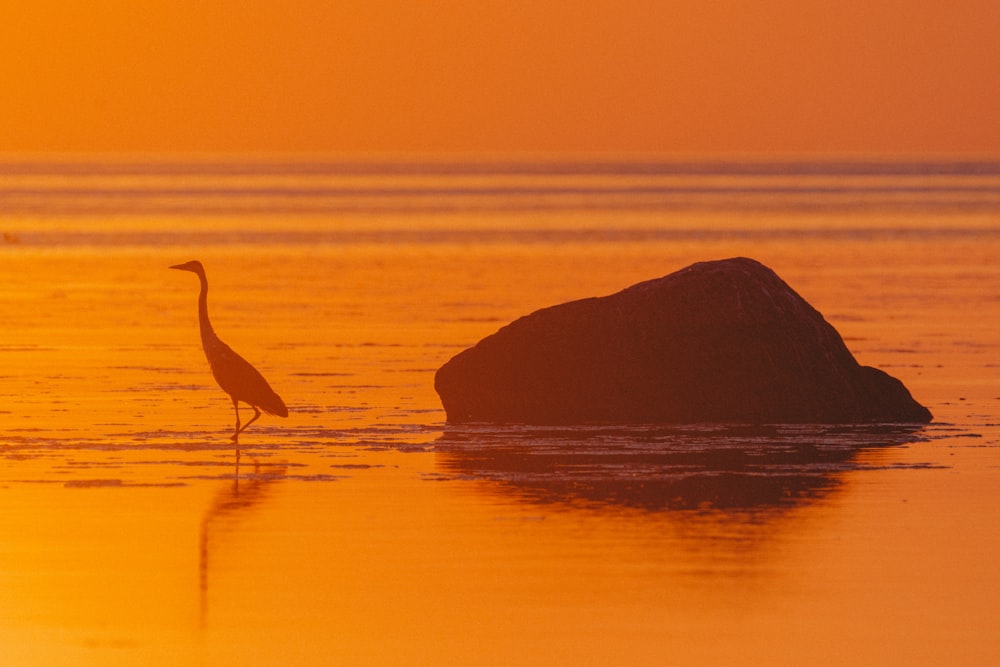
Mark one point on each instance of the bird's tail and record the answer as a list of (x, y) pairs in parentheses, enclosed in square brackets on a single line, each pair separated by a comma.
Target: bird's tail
[(274, 406)]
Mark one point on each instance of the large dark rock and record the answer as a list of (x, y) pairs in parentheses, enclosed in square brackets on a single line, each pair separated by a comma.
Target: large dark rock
[(724, 341)]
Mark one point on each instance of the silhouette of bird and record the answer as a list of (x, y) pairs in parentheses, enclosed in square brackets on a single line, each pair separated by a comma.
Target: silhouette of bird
[(234, 374)]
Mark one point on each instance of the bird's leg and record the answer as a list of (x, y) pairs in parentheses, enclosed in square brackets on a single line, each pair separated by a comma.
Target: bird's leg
[(236, 435), (256, 414)]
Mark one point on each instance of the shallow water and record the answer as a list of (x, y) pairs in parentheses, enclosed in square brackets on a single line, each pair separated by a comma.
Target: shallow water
[(364, 530)]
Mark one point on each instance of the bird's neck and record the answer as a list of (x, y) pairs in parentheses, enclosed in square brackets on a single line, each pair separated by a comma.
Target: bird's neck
[(207, 334)]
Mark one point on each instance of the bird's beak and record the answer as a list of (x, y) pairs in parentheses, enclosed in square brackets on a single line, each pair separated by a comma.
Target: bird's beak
[(193, 266)]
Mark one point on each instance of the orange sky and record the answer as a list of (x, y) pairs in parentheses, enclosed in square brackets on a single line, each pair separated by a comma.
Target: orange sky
[(447, 76)]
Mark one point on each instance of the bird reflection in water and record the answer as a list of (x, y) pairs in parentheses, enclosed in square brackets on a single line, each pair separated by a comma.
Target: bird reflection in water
[(229, 505), (719, 467), (234, 374)]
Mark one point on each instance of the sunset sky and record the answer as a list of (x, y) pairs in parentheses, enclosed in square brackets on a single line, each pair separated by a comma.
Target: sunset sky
[(513, 76)]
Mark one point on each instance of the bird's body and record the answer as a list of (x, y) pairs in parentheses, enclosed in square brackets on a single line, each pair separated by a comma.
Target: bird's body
[(234, 374)]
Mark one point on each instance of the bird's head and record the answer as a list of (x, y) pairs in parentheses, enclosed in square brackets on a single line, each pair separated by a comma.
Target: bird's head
[(194, 266)]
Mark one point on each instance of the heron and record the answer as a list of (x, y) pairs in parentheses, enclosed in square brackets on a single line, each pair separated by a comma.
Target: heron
[(232, 372)]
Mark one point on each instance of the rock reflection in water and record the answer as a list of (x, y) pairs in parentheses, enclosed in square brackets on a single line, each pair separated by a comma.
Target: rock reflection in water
[(722, 467)]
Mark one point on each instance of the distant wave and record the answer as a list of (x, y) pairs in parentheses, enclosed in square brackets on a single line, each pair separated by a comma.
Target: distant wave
[(122, 188), (871, 167), (275, 235)]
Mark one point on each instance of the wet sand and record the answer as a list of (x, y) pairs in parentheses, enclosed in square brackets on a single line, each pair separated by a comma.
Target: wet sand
[(362, 530)]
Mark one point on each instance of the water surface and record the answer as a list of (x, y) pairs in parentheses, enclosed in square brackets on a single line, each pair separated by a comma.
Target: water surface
[(364, 530)]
